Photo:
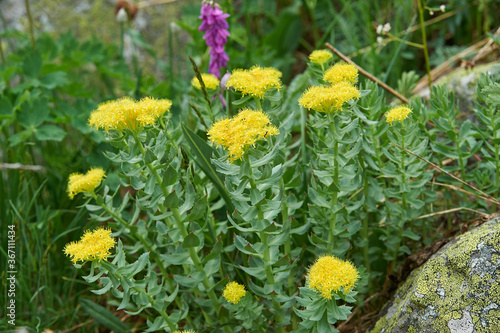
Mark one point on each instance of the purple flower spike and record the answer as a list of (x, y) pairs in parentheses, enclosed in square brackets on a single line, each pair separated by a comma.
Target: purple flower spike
[(216, 27)]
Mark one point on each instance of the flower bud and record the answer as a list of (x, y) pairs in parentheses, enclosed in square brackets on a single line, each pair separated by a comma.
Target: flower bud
[(121, 16), (223, 81), (443, 8), (386, 28)]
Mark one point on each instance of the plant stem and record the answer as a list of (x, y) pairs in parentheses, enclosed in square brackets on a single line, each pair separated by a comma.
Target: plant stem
[(424, 43), (364, 229), (192, 252), (122, 39), (333, 217), (30, 22), (403, 197), (257, 102), (266, 257)]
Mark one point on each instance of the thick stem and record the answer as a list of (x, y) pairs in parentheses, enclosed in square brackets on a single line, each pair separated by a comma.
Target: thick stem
[(364, 229), (333, 217), (266, 257), (403, 195), (257, 102)]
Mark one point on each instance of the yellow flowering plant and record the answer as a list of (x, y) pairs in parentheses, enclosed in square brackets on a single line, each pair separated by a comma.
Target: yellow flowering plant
[(208, 198), (256, 82)]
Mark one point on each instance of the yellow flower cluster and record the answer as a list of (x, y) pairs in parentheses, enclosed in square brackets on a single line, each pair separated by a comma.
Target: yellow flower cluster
[(255, 81), (79, 183), (320, 56), (233, 292), (128, 113), (94, 245), (397, 113), (341, 72), (328, 274), (211, 81), (328, 98), (241, 131), (184, 331)]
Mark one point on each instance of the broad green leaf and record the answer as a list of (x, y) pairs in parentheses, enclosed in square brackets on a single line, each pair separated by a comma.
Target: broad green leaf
[(492, 93), (53, 80), (50, 132), (201, 152), (191, 240), (32, 64), (5, 107), (104, 316)]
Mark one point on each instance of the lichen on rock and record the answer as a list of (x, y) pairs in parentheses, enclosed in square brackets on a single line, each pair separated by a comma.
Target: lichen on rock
[(456, 290)]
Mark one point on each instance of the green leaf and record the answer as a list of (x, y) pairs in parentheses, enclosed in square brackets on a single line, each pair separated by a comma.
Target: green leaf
[(33, 115), (20, 137), (191, 240), (32, 64), (150, 157), (132, 269), (5, 107), (169, 176), (53, 80), (199, 210), (318, 200), (172, 200), (50, 132), (191, 280), (492, 93), (202, 153), (104, 316), (216, 250)]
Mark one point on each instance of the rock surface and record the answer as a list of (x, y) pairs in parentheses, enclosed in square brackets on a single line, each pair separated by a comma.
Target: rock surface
[(457, 290)]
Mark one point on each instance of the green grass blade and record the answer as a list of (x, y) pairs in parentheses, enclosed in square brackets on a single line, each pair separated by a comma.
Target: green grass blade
[(201, 153)]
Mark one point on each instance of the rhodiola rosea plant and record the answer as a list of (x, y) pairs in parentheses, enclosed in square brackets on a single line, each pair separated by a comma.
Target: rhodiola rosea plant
[(271, 217)]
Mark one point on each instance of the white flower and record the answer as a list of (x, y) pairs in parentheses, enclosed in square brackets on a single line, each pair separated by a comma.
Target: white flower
[(386, 28), (380, 40), (431, 12), (443, 8), (379, 29), (121, 16)]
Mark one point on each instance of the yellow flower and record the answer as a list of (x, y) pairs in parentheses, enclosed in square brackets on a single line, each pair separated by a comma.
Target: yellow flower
[(329, 273), (341, 72), (397, 113), (255, 81), (328, 98), (184, 331), (94, 245), (87, 183), (241, 131), (233, 292), (211, 81), (320, 56), (128, 113)]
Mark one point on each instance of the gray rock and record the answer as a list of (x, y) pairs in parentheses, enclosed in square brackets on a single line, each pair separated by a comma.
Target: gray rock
[(457, 290)]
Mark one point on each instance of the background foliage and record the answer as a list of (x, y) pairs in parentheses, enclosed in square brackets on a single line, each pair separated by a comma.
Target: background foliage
[(49, 91)]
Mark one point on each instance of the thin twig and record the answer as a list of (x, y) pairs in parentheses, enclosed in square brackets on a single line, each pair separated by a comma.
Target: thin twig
[(450, 211), (19, 166), (462, 190), (449, 174), (368, 75)]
